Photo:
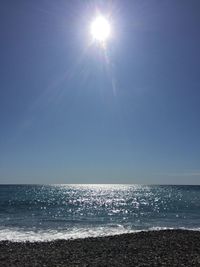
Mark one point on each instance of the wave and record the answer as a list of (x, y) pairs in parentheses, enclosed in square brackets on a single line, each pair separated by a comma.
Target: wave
[(22, 235), (33, 235)]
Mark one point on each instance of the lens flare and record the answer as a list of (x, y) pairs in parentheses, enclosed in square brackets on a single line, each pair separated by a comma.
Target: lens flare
[(100, 29)]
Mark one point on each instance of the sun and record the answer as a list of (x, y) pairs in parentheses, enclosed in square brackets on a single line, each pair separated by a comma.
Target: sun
[(100, 29)]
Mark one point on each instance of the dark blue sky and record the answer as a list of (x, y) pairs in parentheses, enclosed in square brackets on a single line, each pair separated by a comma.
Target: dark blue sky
[(68, 115)]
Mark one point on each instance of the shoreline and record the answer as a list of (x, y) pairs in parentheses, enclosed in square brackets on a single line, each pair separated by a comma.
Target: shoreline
[(41, 238), (146, 248)]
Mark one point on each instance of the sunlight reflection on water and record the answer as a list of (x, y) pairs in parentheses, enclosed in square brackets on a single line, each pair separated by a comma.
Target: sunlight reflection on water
[(88, 209)]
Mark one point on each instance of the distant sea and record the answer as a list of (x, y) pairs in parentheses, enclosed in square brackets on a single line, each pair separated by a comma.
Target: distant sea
[(48, 212)]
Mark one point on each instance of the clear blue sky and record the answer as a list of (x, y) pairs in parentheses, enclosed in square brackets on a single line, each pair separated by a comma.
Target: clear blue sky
[(69, 116)]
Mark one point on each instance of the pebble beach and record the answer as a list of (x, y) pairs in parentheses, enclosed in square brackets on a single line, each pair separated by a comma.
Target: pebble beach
[(151, 248)]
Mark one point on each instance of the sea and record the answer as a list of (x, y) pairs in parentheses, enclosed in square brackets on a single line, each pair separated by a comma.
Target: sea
[(48, 212)]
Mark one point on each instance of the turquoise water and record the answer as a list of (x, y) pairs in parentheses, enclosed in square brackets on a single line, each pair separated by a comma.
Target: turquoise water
[(47, 212)]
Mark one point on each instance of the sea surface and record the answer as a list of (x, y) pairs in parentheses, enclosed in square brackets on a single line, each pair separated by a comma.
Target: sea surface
[(48, 212)]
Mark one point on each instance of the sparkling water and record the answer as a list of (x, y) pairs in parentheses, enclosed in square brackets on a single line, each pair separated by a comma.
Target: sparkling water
[(48, 212)]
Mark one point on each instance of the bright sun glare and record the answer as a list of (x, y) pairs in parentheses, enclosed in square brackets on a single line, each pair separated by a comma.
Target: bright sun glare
[(100, 29)]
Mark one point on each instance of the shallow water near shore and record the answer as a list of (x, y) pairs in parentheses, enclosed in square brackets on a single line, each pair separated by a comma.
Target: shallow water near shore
[(49, 212)]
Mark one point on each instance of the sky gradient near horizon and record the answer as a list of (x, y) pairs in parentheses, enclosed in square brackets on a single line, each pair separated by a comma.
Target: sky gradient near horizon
[(71, 114)]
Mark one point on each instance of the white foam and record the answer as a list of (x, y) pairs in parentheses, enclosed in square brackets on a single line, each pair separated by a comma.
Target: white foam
[(158, 228), (21, 235)]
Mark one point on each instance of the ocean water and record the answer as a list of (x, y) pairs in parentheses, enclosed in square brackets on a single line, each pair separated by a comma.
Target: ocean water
[(48, 212)]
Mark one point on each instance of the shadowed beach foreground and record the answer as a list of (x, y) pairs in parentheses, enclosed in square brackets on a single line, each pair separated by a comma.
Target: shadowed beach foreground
[(154, 248)]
